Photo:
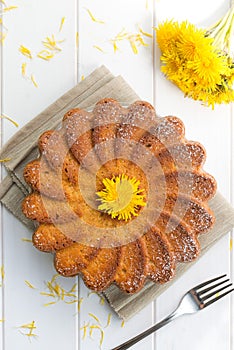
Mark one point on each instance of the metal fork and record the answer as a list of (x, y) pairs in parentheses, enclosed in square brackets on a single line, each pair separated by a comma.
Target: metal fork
[(194, 300)]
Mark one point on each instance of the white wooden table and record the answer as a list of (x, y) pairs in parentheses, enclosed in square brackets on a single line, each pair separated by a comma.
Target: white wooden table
[(58, 325)]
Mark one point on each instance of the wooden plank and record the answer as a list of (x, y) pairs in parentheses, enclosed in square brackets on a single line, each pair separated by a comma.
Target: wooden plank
[(28, 25), (232, 233), (1, 219), (94, 36), (204, 125)]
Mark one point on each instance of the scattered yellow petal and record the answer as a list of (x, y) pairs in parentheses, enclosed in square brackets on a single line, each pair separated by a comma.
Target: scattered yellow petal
[(5, 160), (25, 51), (122, 324), (90, 332), (82, 77), (30, 285), (70, 295), (71, 302), (45, 55), (73, 288), (30, 335), (231, 243), (145, 33), (61, 24), (2, 320), (2, 272), (30, 327), (50, 303), (54, 278), (93, 18), (101, 331), (3, 116), (133, 45), (108, 320), (47, 294), (51, 43), (147, 4), (80, 301), (115, 47), (121, 35), (55, 289), (2, 37), (58, 293), (34, 81), (102, 300), (26, 240), (84, 328), (23, 69), (135, 39), (9, 8), (98, 48), (77, 39), (102, 337), (94, 317)]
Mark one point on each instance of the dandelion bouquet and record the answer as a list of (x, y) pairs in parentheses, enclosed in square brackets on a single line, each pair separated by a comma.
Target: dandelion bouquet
[(199, 61)]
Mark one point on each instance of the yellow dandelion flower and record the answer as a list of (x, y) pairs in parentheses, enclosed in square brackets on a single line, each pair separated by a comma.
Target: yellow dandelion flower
[(209, 68), (168, 34), (172, 65), (192, 59), (121, 197), (192, 42)]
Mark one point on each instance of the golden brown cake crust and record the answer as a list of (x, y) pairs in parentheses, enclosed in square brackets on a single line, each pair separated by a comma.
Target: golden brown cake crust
[(105, 143)]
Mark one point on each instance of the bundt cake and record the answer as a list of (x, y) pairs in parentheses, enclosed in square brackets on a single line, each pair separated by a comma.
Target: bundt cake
[(119, 194)]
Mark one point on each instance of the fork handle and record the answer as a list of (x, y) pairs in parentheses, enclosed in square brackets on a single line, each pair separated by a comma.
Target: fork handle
[(147, 332)]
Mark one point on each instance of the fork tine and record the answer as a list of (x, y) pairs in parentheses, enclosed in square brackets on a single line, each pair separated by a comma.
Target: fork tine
[(207, 282), (219, 297), (215, 292), (203, 291)]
